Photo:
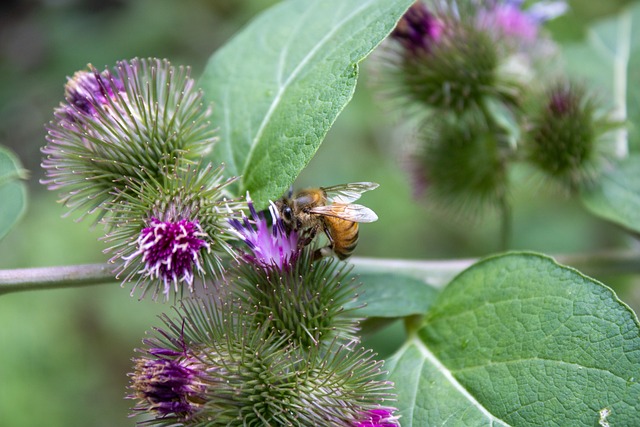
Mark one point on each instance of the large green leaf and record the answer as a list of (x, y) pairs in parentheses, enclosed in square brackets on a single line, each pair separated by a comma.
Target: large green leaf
[(522, 341), (617, 196), (279, 85), (13, 191)]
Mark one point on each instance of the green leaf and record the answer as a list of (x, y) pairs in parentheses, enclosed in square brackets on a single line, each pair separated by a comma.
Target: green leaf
[(278, 85), (393, 295), (617, 196), (519, 340), (13, 191)]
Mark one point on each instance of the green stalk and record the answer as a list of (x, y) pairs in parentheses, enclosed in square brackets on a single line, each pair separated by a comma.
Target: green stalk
[(436, 273)]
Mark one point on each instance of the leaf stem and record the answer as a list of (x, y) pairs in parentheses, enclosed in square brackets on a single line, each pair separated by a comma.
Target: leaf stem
[(435, 272), (620, 68)]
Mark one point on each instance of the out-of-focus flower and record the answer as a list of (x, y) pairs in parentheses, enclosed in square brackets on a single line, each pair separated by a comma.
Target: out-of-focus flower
[(461, 164), (269, 246), (508, 19), (139, 116), (443, 61), (166, 233), (567, 135), (418, 30), (379, 417)]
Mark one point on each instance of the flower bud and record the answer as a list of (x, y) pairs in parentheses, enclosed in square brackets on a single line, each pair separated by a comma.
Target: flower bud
[(566, 137)]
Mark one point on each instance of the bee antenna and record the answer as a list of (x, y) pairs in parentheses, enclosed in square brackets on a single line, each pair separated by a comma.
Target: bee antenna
[(290, 191)]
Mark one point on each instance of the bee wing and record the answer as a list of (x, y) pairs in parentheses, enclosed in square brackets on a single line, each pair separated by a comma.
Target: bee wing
[(355, 213), (347, 193)]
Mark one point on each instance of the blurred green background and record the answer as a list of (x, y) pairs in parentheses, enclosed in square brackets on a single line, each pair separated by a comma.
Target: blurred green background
[(64, 354)]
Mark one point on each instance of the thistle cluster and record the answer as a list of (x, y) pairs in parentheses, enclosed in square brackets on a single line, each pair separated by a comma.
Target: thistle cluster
[(267, 338), (267, 341), (275, 346), (476, 73), (123, 147)]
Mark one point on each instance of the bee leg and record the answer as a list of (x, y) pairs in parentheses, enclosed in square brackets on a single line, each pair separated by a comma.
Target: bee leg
[(326, 250), (307, 237)]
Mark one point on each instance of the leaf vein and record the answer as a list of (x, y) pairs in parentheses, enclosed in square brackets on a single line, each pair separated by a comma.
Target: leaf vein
[(428, 355)]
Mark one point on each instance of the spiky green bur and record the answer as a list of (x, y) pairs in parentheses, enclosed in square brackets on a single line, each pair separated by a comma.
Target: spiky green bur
[(463, 164), (566, 137), (246, 375), (304, 300), (141, 115), (166, 232)]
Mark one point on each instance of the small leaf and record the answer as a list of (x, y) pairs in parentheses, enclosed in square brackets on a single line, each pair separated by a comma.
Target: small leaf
[(519, 340), (279, 85), (13, 192), (393, 295), (617, 196)]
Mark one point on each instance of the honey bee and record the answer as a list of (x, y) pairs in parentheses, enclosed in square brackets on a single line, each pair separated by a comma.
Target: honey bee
[(328, 209)]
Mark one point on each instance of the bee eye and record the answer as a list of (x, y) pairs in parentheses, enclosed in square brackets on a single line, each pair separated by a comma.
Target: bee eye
[(287, 213)]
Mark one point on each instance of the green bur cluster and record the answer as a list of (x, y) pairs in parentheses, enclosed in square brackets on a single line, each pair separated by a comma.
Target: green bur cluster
[(273, 348)]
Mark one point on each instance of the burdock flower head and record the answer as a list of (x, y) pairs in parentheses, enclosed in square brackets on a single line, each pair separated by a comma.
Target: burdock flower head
[(441, 59), (301, 297), (269, 246), (141, 115), (167, 232), (568, 134), (213, 366)]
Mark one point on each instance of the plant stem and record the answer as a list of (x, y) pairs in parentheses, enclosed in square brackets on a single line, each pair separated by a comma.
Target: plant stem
[(436, 273), (72, 276), (439, 273), (506, 223)]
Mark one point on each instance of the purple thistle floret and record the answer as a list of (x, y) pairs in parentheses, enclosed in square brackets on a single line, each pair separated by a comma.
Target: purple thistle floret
[(170, 250), (269, 246), (88, 91), (170, 384), (168, 387), (381, 417), (418, 30)]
